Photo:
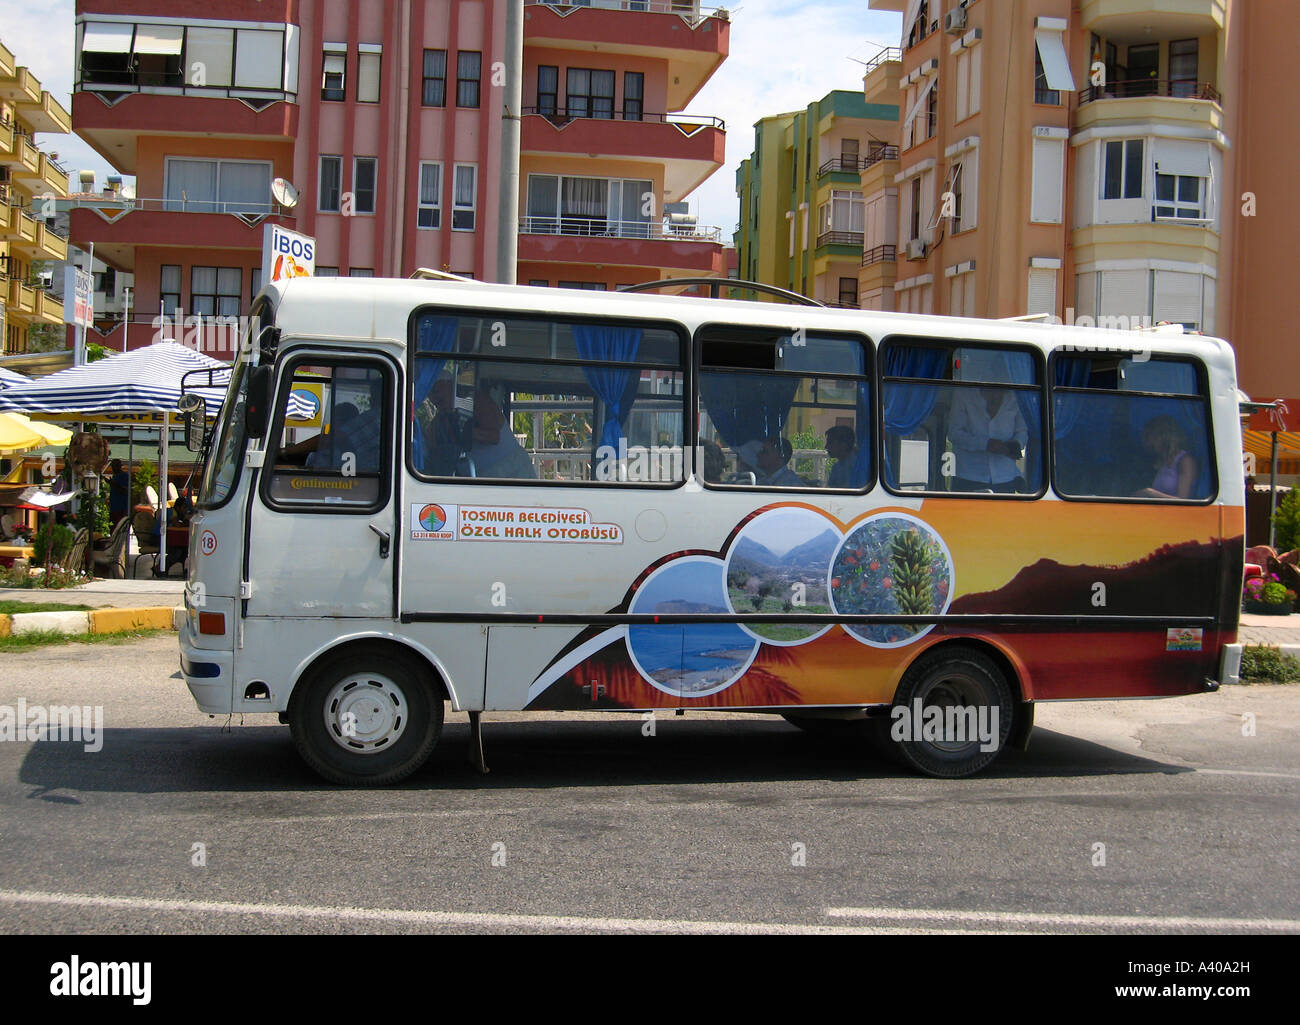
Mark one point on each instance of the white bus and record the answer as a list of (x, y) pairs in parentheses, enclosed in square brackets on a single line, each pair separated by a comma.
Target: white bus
[(514, 498)]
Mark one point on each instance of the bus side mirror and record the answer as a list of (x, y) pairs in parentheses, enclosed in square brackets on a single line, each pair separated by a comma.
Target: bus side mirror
[(257, 409), (192, 412)]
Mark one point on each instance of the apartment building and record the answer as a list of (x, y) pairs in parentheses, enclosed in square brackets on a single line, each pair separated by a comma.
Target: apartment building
[(815, 198), (609, 155), (1092, 159), (30, 183)]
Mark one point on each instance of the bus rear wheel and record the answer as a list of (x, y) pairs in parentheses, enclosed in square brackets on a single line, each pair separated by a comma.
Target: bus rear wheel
[(367, 719), (952, 687)]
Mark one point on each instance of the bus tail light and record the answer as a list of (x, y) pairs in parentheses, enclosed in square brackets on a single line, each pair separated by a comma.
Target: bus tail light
[(213, 623)]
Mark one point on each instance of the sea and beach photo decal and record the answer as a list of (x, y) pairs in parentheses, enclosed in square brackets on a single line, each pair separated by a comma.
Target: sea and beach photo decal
[(778, 564), (691, 660), (891, 564)]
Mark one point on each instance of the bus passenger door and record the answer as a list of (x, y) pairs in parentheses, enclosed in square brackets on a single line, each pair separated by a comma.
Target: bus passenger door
[(323, 519)]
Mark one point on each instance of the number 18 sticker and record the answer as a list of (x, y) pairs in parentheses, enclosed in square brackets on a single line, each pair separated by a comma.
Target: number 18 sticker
[(208, 542)]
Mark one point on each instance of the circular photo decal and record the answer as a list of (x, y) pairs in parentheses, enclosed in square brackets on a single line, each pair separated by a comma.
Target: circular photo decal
[(779, 564), (891, 564), (696, 659)]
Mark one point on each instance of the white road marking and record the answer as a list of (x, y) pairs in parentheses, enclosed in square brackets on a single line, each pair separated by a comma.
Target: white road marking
[(1049, 920), (434, 919)]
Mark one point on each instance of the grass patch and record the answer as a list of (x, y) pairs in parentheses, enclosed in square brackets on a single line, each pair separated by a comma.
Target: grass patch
[(1262, 663), (50, 638), (13, 608)]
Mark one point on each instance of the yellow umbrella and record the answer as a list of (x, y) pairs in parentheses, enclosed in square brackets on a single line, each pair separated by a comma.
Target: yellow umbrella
[(16, 436), (51, 434)]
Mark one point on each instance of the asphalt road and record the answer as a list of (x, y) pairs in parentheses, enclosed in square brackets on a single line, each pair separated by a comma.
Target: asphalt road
[(603, 829)]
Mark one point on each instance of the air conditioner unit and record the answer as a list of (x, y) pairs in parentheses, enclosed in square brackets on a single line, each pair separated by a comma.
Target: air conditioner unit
[(954, 22), (916, 249)]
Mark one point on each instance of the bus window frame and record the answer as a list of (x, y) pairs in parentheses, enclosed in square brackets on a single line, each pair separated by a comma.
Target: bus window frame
[(1202, 394), (681, 367), (943, 341), (330, 356), (868, 375)]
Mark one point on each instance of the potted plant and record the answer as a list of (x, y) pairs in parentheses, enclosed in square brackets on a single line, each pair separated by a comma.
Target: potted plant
[(1267, 597)]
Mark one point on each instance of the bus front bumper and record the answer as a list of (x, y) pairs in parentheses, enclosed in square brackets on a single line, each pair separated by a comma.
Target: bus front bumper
[(1230, 664), (208, 674)]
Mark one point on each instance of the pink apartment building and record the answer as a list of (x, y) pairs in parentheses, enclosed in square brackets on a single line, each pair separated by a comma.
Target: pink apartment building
[(386, 119)]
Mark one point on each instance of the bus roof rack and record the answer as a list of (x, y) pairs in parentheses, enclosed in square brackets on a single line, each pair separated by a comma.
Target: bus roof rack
[(429, 274), (716, 283)]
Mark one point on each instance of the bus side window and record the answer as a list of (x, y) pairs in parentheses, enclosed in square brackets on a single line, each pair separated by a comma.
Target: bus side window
[(783, 409), (334, 420), (1131, 428)]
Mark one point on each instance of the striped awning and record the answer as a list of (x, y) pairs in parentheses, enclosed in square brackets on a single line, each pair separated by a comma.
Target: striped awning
[(1260, 445), (8, 378)]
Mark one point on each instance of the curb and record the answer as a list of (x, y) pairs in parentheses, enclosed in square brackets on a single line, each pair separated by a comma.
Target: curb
[(96, 621)]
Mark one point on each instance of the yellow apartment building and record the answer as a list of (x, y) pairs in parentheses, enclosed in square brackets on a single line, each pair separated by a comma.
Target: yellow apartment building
[(30, 181)]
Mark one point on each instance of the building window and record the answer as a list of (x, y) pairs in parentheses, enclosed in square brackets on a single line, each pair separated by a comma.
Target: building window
[(1042, 94), (364, 173), (548, 89), (589, 93), (216, 291), (539, 283), (569, 205), (1143, 74), (254, 282), (633, 95), (434, 93), (331, 184), (429, 214), (369, 64), (334, 77), (585, 286), (1122, 172), (1180, 196), (170, 286), (327, 272), (469, 69), (218, 186), (361, 272), (1183, 55), (848, 292), (464, 198), (916, 208)]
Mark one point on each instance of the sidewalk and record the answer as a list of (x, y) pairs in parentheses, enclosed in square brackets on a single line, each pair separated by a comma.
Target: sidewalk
[(118, 594), (1281, 631)]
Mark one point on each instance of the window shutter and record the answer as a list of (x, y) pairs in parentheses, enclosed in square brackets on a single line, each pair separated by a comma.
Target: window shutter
[(1042, 291), (1124, 293), (1049, 174), (1178, 298)]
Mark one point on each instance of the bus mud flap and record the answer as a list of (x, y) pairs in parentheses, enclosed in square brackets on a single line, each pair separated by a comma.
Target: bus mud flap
[(1022, 727), (476, 742)]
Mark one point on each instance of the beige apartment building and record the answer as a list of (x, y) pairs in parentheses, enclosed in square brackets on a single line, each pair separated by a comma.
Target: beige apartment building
[(1091, 158)]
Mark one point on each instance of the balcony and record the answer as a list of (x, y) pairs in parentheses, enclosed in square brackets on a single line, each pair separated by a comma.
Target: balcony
[(54, 175), (22, 299), (690, 147), (21, 87), (880, 254), (1169, 19), (26, 162), (112, 129), (49, 307), (840, 238), (1192, 103), (46, 115), (582, 240), (7, 66), (117, 226), (24, 229), (693, 39), (856, 165)]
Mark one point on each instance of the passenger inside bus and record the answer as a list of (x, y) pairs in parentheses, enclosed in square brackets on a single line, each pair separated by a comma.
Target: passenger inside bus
[(988, 435), (455, 436)]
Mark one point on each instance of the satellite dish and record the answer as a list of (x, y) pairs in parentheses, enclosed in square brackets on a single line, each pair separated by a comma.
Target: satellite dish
[(128, 192), (284, 192)]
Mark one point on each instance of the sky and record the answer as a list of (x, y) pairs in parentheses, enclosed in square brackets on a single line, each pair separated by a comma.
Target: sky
[(784, 54)]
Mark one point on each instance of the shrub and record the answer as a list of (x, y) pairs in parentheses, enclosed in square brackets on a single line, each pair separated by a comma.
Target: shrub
[(1286, 521), (1274, 593), (1263, 662), (142, 476), (62, 543)]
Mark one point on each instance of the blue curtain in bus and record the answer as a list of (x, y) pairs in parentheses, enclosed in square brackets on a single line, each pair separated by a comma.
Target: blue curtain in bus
[(862, 462), (1019, 369), (907, 405), (1071, 372), (747, 407), (433, 335), (615, 388)]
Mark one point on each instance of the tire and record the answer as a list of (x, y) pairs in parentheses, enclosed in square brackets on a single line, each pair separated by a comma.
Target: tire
[(368, 719), (825, 727), (960, 677)]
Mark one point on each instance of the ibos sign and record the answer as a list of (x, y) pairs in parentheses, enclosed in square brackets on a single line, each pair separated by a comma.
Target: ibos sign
[(286, 254)]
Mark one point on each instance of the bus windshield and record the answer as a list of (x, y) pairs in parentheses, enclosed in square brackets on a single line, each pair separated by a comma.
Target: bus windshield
[(222, 471)]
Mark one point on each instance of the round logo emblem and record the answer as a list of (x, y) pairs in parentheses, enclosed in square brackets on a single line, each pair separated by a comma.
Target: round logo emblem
[(208, 542), (433, 517)]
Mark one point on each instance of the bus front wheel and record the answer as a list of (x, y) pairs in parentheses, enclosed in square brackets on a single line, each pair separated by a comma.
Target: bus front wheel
[(369, 718), (965, 714)]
